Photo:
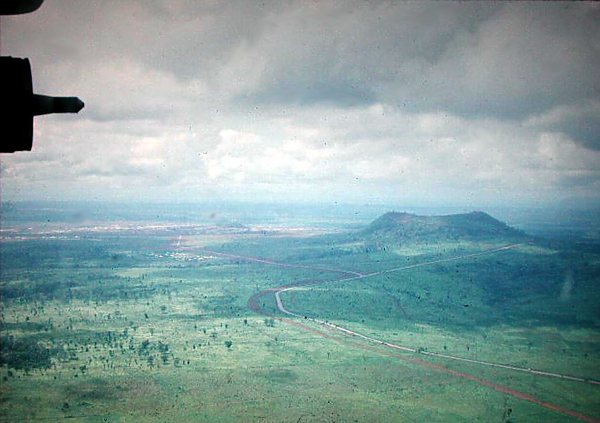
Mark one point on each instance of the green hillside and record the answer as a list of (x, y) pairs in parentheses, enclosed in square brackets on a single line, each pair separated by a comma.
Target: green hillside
[(402, 227)]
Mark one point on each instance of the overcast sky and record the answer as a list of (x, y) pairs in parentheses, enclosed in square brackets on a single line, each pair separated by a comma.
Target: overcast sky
[(427, 103)]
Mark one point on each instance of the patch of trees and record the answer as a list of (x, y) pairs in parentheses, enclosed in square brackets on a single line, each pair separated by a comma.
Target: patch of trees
[(149, 350), (46, 290), (320, 254), (49, 253), (24, 354), (24, 326), (118, 291), (96, 288)]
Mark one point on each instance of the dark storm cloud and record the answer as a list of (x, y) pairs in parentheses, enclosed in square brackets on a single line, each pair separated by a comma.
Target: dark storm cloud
[(413, 100), (357, 54), (583, 129), (507, 61)]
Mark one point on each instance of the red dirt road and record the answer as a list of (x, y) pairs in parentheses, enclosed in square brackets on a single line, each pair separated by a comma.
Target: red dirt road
[(255, 304)]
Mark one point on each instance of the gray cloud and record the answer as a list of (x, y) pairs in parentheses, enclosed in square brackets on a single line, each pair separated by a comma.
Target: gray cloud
[(137, 114), (507, 61), (487, 102), (580, 122), (583, 128)]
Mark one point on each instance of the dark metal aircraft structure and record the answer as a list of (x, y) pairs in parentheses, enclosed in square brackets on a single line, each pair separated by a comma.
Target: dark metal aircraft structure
[(19, 103)]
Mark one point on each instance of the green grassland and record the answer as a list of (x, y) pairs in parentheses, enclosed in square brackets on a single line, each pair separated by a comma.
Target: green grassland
[(131, 328)]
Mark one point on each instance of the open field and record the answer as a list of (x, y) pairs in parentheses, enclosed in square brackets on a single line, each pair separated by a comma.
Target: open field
[(149, 325)]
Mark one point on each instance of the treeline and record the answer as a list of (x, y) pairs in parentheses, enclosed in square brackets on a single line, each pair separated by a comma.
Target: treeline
[(24, 353), (49, 253), (104, 288), (333, 252)]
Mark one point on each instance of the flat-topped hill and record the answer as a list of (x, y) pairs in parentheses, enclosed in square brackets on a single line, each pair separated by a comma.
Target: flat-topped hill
[(407, 226)]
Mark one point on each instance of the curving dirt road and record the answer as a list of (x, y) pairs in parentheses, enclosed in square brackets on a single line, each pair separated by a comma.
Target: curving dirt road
[(254, 304)]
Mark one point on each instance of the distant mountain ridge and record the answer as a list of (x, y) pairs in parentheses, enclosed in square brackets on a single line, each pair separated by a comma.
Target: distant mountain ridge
[(473, 225)]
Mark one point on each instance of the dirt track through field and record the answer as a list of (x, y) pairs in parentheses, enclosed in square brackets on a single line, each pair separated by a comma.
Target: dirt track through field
[(255, 305)]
